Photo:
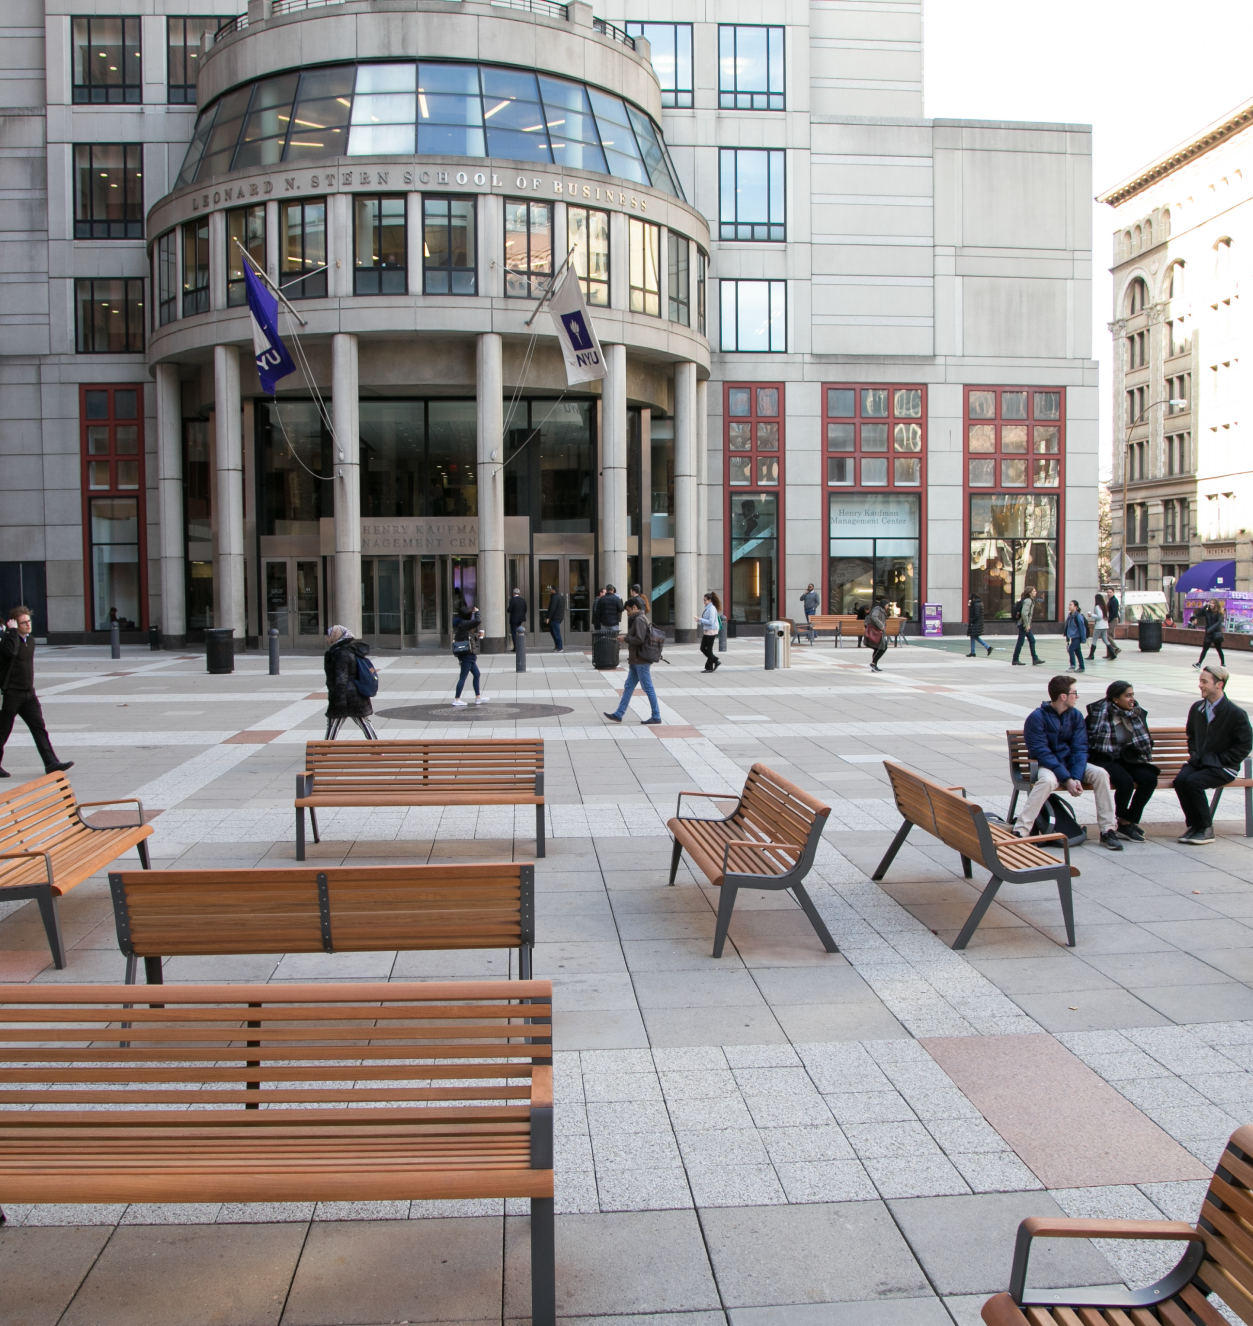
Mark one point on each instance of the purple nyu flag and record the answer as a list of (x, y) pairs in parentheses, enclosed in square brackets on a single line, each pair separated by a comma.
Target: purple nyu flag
[(273, 361)]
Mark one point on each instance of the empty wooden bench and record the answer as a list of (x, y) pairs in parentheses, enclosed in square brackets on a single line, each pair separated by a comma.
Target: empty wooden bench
[(945, 813), (767, 842), (820, 624), (1218, 1260), (371, 1092), (450, 772), (1170, 754), (46, 847), (347, 909)]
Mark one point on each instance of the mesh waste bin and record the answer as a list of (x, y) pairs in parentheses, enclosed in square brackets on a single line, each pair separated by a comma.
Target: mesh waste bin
[(1150, 634), (220, 649), (605, 649)]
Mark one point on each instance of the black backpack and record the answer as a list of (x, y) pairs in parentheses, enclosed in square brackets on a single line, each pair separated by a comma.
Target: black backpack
[(1017, 612), (1056, 817)]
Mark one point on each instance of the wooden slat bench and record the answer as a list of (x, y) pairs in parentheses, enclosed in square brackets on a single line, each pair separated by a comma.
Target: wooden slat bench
[(842, 626), (1218, 1260), (1170, 754), (767, 842), (945, 813), (46, 847), (451, 772), (283, 1093), (347, 909)]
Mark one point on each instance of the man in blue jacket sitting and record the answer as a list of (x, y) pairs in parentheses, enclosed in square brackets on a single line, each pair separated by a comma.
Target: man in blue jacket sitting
[(1057, 739)]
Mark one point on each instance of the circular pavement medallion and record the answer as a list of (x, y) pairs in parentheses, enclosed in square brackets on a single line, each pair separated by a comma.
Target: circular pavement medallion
[(497, 711)]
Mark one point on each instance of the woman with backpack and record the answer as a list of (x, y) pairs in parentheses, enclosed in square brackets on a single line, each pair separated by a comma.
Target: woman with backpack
[(1211, 621), (876, 630), (1076, 634), (974, 625), (709, 627), (642, 652), (345, 661), (467, 631)]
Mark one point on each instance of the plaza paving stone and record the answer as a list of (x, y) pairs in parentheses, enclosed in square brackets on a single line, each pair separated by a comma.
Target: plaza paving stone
[(766, 1138)]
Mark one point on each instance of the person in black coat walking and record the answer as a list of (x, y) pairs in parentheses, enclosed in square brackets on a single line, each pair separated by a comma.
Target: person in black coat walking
[(1219, 741), (17, 679), (344, 699), (517, 612), (974, 625), (1211, 621), (556, 615)]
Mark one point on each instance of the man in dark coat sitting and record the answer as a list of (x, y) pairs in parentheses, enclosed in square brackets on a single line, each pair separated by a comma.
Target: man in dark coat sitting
[(1219, 741)]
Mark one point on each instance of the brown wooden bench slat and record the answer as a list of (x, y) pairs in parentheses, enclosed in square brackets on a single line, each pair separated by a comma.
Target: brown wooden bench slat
[(1170, 754), (46, 847), (785, 819), (946, 814), (390, 1119), (843, 625), (347, 909), (445, 772)]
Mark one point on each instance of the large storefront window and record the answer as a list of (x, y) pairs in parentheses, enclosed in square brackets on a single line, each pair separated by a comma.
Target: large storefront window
[(1013, 545), (115, 595), (754, 421), (112, 439), (549, 470), (754, 529), (295, 468), (875, 552)]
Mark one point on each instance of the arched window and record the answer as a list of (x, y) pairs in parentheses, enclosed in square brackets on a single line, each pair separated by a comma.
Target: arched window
[(1165, 222), (1126, 243), (1148, 234), (1175, 281), (1137, 297), (1137, 236)]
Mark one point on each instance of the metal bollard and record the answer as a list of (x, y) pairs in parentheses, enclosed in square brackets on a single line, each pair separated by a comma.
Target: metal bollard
[(273, 651), (115, 640), (722, 634), (154, 639), (519, 649), (772, 651)]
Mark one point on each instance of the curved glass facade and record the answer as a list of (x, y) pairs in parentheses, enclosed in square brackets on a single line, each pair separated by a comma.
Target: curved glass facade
[(432, 108)]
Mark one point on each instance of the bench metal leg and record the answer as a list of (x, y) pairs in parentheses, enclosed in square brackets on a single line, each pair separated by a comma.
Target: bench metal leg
[(132, 962), (152, 971), (901, 834), (966, 868), (524, 962), (300, 833), (313, 820), (543, 1263), (539, 829), (52, 926), (674, 860), (1013, 806), (142, 848), (726, 905), (1248, 811), (1066, 898), (807, 904), (980, 910)]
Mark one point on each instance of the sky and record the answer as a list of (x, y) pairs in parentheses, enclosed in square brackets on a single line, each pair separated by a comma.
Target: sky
[(1145, 74)]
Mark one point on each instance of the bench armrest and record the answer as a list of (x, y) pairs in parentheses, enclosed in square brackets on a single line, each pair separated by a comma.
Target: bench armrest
[(113, 801), (17, 856), (710, 796), (768, 847), (1049, 838)]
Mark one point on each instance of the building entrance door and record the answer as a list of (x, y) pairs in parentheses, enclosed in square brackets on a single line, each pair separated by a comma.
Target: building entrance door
[(571, 576), (293, 601), (381, 580)]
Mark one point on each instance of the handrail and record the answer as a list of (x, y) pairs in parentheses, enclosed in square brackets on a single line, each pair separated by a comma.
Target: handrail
[(236, 24), (549, 8), (612, 31)]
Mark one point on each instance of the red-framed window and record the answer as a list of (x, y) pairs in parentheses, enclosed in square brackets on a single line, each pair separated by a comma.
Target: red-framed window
[(875, 436), (754, 437), (111, 423), (1014, 477)]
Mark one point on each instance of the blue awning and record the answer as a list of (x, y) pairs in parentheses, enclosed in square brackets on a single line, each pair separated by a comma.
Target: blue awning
[(1205, 576)]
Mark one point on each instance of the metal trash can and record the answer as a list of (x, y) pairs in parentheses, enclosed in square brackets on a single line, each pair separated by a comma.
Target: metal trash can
[(781, 634), (154, 639), (606, 651), (1150, 634), (219, 651)]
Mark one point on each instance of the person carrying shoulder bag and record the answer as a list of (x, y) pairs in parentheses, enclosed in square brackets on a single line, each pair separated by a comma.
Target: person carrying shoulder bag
[(639, 642), (709, 627), (467, 631)]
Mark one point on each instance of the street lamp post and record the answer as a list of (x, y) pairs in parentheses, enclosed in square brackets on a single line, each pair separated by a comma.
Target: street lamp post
[(1126, 465)]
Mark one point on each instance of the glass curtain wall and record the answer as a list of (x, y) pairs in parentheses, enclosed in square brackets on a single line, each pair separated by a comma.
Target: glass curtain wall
[(754, 521), (550, 472), (1013, 545), (874, 553), (295, 472)]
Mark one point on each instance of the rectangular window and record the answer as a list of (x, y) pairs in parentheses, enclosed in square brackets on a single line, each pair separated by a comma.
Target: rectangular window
[(754, 316), (671, 45), (1179, 389), (380, 267), (750, 68), (753, 420), (886, 425), (245, 226), (111, 423), (183, 45), (528, 248), (108, 191), (700, 292), (874, 552), (448, 248), (1178, 448), (167, 277), (196, 267), (302, 249), (752, 194), (106, 61), (109, 316), (587, 234), (644, 244), (679, 278)]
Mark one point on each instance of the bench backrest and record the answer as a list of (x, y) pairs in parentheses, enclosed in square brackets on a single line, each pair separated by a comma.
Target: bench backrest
[(308, 1053), (1225, 1219), (1170, 752), (473, 764), (34, 817), (941, 812), (350, 909), (773, 809)]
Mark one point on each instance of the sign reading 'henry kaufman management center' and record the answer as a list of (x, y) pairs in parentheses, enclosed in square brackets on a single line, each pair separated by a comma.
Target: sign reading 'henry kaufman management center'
[(409, 537)]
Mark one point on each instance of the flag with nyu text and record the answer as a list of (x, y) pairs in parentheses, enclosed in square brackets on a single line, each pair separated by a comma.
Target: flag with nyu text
[(579, 346), (273, 360)]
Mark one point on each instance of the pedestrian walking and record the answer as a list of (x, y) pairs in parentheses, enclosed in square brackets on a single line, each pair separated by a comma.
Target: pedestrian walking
[(860, 611), (877, 633), (342, 663), (556, 615), (1219, 741), (517, 612), (1120, 742), (709, 627), (1076, 631), (1212, 624), (607, 610), (17, 681), (639, 598), (642, 653), (1113, 610), (1024, 613), (467, 631), (974, 625), (1100, 630), (809, 606)]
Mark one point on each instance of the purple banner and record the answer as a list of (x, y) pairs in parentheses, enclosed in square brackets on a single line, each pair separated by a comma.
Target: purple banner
[(932, 620)]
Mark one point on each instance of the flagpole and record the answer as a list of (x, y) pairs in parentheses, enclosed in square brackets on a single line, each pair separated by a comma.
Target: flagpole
[(252, 262), (548, 294)]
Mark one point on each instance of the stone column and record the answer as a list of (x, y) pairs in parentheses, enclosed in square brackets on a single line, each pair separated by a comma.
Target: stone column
[(218, 256), (170, 506), (703, 575), (489, 390), (613, 459), (228, 588), (686, 597), (347, 458)]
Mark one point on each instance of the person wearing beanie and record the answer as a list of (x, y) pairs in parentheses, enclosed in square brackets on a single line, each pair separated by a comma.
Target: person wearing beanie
[(343, 697)]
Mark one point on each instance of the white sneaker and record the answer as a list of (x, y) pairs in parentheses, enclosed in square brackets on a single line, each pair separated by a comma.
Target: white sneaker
[(458, 704), (481, 699)]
